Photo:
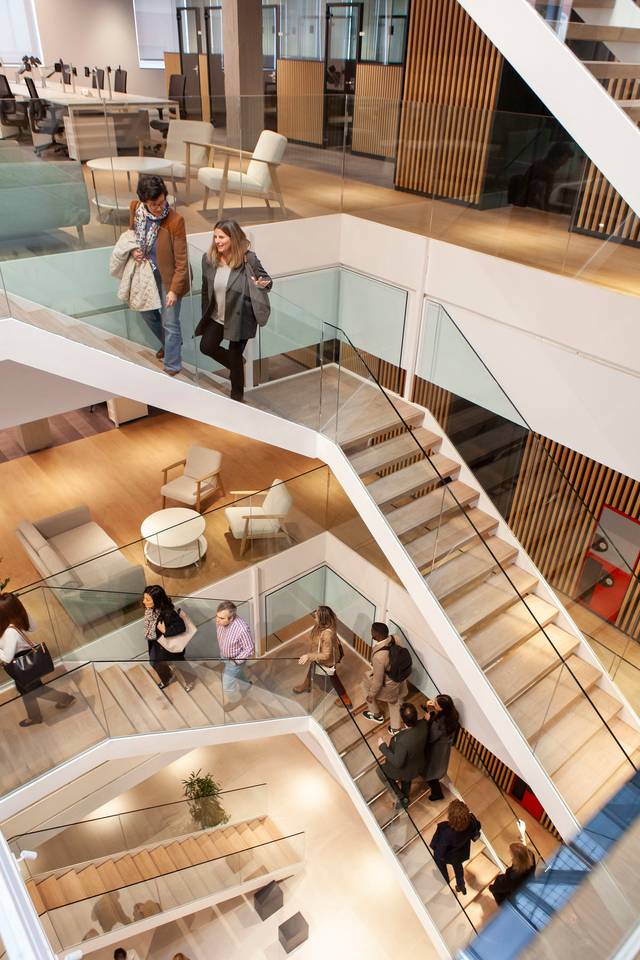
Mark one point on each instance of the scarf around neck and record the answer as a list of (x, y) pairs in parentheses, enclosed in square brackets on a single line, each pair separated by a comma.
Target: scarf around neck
[(146, 227)]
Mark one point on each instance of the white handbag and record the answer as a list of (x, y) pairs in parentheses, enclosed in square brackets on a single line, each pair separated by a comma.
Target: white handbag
[(179, 643)]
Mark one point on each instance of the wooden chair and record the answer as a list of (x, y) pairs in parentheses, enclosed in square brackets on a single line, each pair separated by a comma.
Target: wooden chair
[(200, 478), (260, 178), (188, 147), (260, 522)]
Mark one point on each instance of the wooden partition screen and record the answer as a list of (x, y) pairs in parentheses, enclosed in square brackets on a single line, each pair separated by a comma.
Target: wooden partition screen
[(300, 85), (602, 210), (553, 527), (376, 109), (451, 82)]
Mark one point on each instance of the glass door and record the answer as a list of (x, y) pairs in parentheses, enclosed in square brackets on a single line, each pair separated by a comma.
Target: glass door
[(270, 57), (190, 45), (342, 53), (215, 63)]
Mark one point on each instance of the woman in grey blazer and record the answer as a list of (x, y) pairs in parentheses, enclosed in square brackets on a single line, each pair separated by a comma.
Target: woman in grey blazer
[(234, 300)]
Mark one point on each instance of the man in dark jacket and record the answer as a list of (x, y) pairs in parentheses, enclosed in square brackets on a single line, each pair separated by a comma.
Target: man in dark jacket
[(404, 757)]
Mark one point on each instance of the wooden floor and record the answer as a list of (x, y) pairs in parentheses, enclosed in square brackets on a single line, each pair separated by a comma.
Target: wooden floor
[(313, 186), (64, 428)]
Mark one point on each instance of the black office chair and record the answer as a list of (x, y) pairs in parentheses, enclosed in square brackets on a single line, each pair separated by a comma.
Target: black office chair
[(98, 80), (120, 81), (12, 113), (45, 119), (177, 92)]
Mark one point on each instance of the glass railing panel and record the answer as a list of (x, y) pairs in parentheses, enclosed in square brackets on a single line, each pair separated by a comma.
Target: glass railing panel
[(288, 609), (69, 718), (98, 837), (88, 918)]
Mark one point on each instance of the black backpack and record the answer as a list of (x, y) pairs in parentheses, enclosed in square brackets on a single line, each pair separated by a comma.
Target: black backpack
[(400, 664)]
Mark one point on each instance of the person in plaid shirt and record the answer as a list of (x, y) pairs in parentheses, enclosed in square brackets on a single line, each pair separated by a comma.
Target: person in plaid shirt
[(236, 645)]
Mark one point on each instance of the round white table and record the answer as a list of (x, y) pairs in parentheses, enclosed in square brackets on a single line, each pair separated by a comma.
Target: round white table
[(174, 537), (127, 165)]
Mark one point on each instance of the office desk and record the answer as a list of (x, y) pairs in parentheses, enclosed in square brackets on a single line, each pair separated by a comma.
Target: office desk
[(89, 124), (86, 99)]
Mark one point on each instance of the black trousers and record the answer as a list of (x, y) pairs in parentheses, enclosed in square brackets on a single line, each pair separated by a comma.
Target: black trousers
[(230, 357), (31, 694), (403, 791), (458, 870), (436, 790)]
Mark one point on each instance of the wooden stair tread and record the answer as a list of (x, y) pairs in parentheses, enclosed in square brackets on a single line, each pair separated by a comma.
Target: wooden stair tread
[(162, 860), (51, 892), (571, 731), (603, 32), (530, 661), (145, 864), (382, 455), (507, 629), (110, 875), (193, 852), (451, 535), (410, 479), (354, 428), (34, 893), (185, 705), (599, 798), (72, 887), (133, 705), (426, 509), (591, 767), (605, 69), (92, 880), (471, 564), (489, 598), (155, 698), (544, 703), (128, 870)]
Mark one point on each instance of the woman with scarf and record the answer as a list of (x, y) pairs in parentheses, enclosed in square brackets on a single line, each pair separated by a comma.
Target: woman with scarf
[(162, 240)]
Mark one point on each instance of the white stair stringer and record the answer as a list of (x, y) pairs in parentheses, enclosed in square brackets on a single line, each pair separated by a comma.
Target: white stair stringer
[(608, 136), (26, 343)]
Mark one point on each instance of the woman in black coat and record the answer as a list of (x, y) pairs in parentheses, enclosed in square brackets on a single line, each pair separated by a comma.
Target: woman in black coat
[(234, 300), (451, 843), (443, 720), (161, 619), (523, 866)]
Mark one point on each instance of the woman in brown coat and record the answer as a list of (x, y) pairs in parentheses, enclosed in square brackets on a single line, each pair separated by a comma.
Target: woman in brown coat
[(324, 650), (162, 240)]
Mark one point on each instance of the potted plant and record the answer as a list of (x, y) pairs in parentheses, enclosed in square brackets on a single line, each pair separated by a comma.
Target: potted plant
[(202, 792)]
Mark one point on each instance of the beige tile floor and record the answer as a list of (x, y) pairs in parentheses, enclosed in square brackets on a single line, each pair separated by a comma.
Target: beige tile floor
[(347, 892)]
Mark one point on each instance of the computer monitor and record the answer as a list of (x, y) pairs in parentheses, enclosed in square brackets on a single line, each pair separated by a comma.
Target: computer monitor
[(31, 87), (5, 89)]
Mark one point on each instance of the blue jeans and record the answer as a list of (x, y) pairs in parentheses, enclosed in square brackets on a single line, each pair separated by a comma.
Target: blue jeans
[(165, 324), (233, 678)]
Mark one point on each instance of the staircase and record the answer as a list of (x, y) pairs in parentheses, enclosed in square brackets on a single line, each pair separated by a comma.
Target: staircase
[(455, 545), (355, 739), (88, 899)]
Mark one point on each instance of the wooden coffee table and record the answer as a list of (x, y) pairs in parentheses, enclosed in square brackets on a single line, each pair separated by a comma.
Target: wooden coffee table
[(128, 165)]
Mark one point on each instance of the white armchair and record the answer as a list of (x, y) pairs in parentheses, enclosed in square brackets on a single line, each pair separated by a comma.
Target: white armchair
[(267, 521), (260, 178), (199, 480), (188, 147)]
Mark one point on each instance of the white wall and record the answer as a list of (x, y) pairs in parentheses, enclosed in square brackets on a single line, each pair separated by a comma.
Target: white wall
[(28, 394), (96, 33)]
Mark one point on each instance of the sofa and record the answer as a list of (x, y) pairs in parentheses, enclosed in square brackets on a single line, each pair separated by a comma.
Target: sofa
[(72, 552)]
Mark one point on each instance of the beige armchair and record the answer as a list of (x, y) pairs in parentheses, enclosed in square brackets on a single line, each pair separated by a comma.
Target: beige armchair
[(260, 522), (260, 178), (200, 478), (188, 147)]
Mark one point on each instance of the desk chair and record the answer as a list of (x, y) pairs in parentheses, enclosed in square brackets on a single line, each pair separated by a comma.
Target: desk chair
[(177, 92), (99, 76), (13, 115), (45, 120), (120, 81)]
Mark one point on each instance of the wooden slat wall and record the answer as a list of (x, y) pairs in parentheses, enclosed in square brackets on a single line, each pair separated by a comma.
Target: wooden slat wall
[(602, 210), (555, 529), (300, 85), (387, 374), (451, 81), (376, 109), (436, 399)]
